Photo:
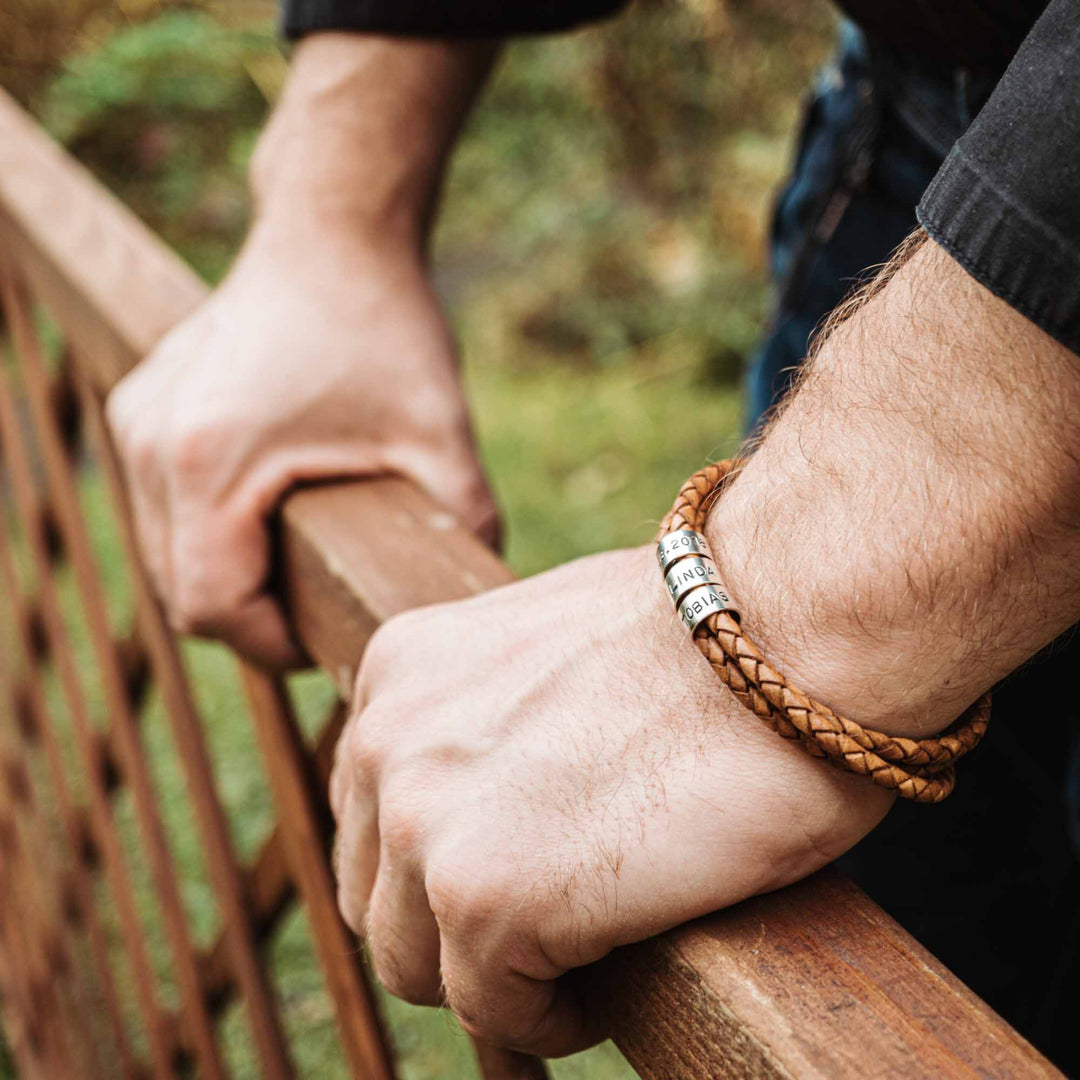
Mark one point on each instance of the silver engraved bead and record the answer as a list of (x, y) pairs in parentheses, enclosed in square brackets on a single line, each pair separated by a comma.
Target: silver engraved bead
[(700, 603), (678, 545), (688, 574)]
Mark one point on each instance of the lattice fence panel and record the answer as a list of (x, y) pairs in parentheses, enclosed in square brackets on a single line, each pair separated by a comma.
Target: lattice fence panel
[(110, 966)]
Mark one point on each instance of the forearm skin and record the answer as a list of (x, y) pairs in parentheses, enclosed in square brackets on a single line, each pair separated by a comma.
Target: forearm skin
[(908, 531), (361, 136)]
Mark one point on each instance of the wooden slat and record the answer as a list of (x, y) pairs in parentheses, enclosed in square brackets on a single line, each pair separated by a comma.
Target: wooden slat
[(21, 877), (83, 252), (52, 259), (306, 838), (270, 882), (270, 890), (335, 548), (781, 991), (187, 730), (813, 981), (23, 1004), (779, 986)]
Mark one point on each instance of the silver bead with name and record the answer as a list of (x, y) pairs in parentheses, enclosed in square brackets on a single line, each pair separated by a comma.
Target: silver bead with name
[(691, 578), (688, 574), (677, 545), (698, 604)]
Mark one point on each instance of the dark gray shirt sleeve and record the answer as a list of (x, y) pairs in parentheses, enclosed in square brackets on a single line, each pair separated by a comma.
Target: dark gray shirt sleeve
[(1006, 202), (441, 18)]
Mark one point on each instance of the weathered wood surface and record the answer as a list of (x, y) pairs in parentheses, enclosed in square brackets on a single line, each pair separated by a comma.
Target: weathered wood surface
[(814, 981)]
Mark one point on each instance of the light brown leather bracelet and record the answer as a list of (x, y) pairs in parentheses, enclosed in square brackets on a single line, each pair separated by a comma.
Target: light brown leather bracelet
[(919, 769)]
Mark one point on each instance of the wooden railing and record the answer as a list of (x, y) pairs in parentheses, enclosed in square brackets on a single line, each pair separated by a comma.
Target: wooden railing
[(813, 981)]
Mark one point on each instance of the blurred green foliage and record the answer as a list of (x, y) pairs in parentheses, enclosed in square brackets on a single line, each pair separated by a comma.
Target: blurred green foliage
[(177, 68), (166, 112), (611, 189)]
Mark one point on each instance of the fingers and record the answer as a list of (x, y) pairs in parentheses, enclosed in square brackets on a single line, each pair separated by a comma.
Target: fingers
[(207, 567), (544, 1016), (447, 920), (356, 849), (137, 446), (152, 535), (480, 511), (458, 959), (258, 631), (488, 526), (219, 565), (497, 978), (451, 472), (380, 855), (403, 936)]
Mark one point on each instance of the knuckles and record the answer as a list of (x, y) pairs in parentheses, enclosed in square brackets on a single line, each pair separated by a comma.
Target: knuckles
[(184, 449), (141, 453), (120, 408), (135, 439), (201, 601), (390, 976), (184, 620), (353, 908), (196, 447), (480, 1023), (191, 613), (417, 986), (478, 899), (402, 821), (394, 641), (373, 735)]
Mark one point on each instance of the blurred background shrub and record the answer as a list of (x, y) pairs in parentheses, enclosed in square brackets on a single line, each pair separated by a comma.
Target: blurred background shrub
[(613, 187)]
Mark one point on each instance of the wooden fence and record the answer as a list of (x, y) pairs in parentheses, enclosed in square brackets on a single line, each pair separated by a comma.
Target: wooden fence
[(778, 986)]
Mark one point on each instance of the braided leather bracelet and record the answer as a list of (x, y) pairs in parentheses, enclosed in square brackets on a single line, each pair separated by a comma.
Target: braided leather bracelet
[(919, 769)]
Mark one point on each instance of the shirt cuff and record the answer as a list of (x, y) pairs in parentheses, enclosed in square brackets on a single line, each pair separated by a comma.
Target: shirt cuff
[(1018, 257), (440, 18), (1004, 203)]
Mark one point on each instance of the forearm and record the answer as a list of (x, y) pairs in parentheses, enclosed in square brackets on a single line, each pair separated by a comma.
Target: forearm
[(907, 534), (360, 138)]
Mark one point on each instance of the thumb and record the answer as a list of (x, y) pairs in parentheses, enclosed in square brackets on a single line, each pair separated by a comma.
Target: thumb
[(258, 630), (455, 477)]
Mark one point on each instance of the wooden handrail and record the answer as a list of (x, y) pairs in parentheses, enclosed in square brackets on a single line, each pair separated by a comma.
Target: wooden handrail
[(781, 985)]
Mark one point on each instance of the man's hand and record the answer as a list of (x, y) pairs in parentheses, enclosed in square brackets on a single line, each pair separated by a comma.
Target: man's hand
[(326, 363), (535, 776), (324, 354)]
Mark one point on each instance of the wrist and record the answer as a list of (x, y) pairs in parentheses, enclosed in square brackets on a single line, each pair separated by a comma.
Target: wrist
[(359, 141), (303, 184), (339, 252), (859, 664), (303, 180)]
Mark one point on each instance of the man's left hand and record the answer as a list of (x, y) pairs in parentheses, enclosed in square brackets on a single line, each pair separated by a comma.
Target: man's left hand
[(535, 776)]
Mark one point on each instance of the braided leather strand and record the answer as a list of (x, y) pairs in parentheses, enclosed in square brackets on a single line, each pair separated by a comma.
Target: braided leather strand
[(922, 770)]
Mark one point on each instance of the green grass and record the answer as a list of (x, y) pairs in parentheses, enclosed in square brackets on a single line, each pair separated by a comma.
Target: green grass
[(585, 461)]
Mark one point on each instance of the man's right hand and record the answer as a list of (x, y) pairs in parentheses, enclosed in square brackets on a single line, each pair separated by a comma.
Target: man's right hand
[(324, 354)]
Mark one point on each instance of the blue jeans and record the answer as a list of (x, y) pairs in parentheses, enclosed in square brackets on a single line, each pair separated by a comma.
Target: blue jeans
[(874, 132), (991, 886)]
